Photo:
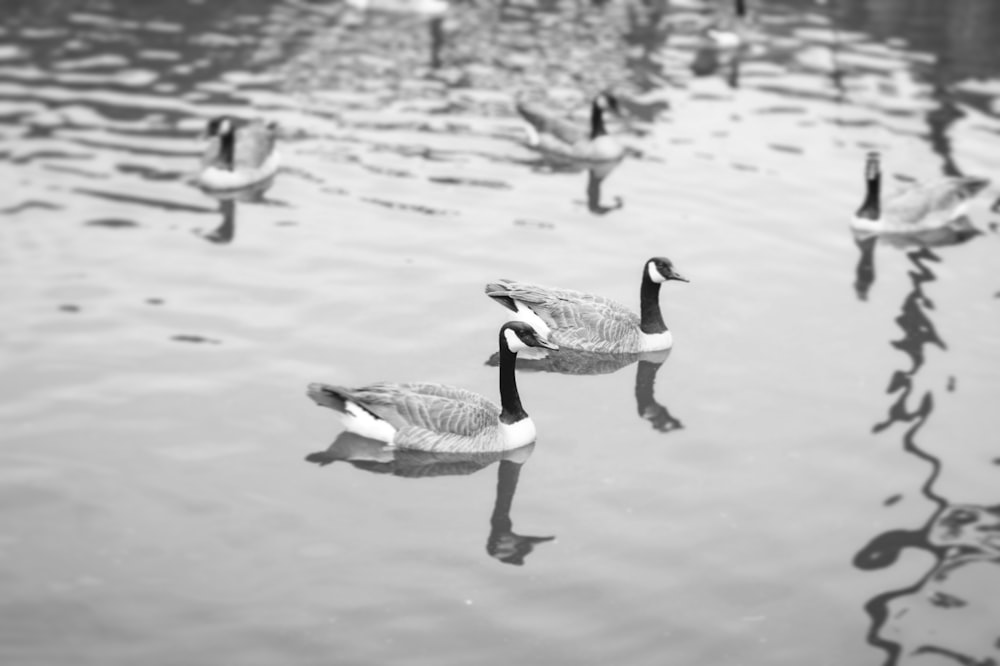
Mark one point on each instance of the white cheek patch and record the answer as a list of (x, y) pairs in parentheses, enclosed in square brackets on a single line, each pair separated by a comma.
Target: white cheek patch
[(514, 342), (654, 274)]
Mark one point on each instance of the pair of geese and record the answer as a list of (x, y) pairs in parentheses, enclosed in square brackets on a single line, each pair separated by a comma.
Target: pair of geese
[(240, 154)]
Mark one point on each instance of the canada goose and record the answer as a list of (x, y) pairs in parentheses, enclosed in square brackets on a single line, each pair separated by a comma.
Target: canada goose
[(429, 8), (577, 320), (728, 31), (564, 140), (239, 154), (436, 417), (917, 209)]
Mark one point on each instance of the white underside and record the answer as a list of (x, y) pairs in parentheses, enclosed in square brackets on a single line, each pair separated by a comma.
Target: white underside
[(528, 316), (725, 39), (420, 7), (214, 178), (361, 422), (650, 342), (518, 434)]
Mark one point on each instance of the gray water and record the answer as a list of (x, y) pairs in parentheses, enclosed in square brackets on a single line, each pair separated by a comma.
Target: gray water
[(810, 476)]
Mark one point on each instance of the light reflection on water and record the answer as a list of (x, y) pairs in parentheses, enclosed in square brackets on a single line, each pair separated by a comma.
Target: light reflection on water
[(159, 340)]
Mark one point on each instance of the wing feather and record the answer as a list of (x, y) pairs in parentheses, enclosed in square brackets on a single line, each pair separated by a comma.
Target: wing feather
[(254, 144), (578, 320), (935, 202), (437, 408)]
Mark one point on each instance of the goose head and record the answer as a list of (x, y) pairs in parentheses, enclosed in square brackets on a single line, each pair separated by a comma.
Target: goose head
[(220, 126), (606, 101), (870, 209), (661, 269), (517, 336)]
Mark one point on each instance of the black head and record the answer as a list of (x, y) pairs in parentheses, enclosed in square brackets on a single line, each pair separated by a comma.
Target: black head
[(872, 169), (660, 269), (517, 336), (606, 101), (220, 126)]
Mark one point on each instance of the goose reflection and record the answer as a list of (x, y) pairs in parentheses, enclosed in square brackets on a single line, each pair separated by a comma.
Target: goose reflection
[(370, 455), (958, 231), (226, 230), (574, 362), (950, 611), (709, 59)]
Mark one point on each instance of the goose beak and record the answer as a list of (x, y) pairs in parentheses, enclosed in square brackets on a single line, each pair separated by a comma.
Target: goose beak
[(677, 276), (545, 342)]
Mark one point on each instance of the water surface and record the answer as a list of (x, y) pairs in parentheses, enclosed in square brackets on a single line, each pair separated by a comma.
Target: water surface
[(810, 476)]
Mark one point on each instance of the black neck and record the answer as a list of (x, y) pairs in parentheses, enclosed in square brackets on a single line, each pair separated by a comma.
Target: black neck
[(597, 120), (226, 149), (741, 8), (645, 378), (506, 485), (864, 273), (870, 208), (649, 305), (510, 401)]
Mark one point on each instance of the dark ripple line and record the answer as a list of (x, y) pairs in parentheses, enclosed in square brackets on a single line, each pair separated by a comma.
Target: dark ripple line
[(145, 201)]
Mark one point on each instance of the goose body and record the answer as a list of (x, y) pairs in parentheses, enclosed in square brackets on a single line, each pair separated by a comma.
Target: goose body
[(429, 8), (564, 140), (438, 417), (578, 320), (238, 154), (917, 209), (729, 29)]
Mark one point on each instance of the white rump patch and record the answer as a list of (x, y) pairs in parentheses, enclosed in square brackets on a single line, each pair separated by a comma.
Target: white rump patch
[(650, 342), (518, 434), (361, 422), (532, 139), (528, 316)]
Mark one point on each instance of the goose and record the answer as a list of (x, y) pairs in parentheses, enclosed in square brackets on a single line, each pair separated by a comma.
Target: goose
[(564, 140), (577, 320), (917, 209), (238, 154), (728, 31), (429, 8), (437, 417)]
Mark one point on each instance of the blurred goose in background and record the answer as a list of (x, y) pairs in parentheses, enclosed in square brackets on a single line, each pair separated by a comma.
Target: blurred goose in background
[(577, 320), (437, 417), (565, 140), (729, 29), (238, 154), (428, 8), (919, 208)]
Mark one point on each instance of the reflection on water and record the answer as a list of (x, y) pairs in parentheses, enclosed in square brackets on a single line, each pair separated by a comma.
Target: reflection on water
[(407, 180), (577, 362), (370, 455), (950, 611), (228, 201)]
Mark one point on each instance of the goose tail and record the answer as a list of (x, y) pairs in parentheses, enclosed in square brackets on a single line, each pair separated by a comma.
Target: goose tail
[(500, 292), (970, 187), (325, 395)]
